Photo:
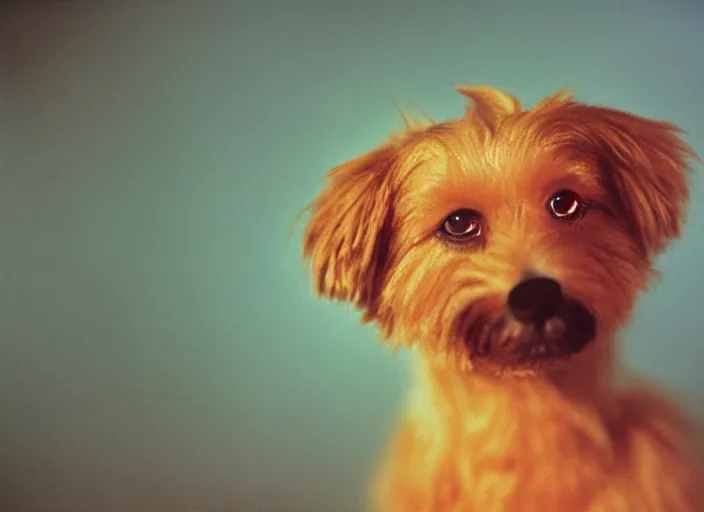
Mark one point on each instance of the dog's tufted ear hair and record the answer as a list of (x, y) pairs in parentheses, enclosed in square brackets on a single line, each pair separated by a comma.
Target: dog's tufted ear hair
[(647, 163), (644, 162), (488, 103), (346, 237)]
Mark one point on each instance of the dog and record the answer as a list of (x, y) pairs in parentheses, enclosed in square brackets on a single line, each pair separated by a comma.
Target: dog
[(507, 248)]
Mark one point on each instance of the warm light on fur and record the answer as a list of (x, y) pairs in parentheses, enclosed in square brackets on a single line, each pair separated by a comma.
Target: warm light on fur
[(528, 435)]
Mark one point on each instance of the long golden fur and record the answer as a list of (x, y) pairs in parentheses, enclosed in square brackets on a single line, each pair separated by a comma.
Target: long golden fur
[(528, 433)]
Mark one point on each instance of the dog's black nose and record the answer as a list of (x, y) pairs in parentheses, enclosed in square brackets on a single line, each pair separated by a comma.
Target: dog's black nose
[(535, 300)]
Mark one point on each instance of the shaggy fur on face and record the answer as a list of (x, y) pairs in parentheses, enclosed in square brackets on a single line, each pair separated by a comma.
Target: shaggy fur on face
[(450, 237)]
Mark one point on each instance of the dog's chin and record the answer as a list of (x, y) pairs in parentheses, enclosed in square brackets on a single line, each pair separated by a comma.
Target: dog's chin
[(503, 345), (540, 357)]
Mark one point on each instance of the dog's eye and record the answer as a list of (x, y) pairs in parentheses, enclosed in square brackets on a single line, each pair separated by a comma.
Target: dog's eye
[(462, 225), (566, 205)]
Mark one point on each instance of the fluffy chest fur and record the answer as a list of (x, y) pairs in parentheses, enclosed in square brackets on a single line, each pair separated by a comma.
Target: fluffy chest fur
[(469, 444)]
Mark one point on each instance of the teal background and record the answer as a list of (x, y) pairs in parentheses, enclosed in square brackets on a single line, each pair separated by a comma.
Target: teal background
[(160, 349)]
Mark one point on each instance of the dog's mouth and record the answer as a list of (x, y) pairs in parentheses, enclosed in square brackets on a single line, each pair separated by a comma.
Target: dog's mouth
[(506, 340)]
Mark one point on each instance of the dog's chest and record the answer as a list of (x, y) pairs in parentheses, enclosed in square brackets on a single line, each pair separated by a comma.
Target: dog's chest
[(465, 447), (503, 454), (510, 464)]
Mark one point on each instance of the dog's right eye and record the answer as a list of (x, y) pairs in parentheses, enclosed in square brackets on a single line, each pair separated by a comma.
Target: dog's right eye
[(462, 226)]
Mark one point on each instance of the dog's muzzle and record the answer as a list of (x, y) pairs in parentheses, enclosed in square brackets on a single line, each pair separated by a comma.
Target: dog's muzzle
[(538, 322)]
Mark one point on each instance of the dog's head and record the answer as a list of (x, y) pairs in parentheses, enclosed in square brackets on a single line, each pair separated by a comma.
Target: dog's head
[(506, 239)]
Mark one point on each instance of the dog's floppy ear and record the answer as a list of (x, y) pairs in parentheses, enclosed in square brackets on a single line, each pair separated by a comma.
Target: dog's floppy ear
[(645, 163), (488, 103), (345, 239)]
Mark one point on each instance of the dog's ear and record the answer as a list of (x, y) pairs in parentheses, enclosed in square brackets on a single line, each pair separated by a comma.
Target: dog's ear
[(346, 237), (645, 163), (489, 104)]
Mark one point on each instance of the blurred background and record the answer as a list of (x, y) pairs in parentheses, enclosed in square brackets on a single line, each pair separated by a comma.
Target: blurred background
[(160, 349)]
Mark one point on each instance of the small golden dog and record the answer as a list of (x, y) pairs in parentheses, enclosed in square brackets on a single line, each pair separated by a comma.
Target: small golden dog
[(508, 247)]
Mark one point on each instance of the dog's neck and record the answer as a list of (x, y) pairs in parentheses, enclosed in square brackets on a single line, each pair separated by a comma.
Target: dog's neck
[(583, 382), (583, 385)]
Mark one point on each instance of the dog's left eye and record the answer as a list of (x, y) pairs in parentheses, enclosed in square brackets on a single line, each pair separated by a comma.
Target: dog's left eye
[(566, 205), (462, 225)]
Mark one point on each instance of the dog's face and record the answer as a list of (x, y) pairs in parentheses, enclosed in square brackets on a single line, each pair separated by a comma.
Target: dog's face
[(507, 239)]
